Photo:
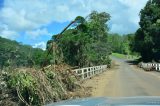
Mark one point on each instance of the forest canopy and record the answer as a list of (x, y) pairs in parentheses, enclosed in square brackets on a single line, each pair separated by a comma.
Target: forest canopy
[(86, 44), (147, 37), (14, 54)]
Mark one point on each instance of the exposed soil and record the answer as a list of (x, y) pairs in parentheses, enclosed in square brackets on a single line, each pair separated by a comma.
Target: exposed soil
[(98, 84), (124, 80)]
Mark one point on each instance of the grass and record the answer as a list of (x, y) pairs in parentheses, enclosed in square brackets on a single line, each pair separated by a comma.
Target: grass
[(122, 56)]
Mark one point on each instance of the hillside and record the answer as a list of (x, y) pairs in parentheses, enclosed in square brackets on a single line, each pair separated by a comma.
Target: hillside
[(15, 54)]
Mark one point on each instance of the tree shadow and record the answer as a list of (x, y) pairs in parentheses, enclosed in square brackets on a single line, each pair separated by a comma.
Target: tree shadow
[(132, 62)]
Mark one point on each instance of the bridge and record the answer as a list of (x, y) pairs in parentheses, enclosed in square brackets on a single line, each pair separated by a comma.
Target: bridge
[(150, 66), (124, 79), (88, 72)]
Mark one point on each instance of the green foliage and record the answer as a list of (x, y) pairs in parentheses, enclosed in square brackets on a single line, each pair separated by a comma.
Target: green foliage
[(15, 54), (79, 19), (122, 56), (147, 36), (26, 87), (121, 44), (86, 44)]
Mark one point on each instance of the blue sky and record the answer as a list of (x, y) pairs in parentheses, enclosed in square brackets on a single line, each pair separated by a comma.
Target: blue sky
[(33, 22)]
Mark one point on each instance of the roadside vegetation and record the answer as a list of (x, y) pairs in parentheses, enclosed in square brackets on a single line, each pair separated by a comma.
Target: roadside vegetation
[(122, 56), (147, 38), (30, 87), (122, 46), (121, 43), (84, 45), (145, 42), (14, 54), (31, 76)]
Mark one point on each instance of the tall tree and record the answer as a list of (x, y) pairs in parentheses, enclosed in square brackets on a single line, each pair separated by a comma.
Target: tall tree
[(148, 36), (81, 45)]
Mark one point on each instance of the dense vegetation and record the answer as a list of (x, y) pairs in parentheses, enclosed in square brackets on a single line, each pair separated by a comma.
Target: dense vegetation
[(147, 37), (14, 54), (23, 84), (84, 45), (146, 40), (30, 87), (122, 44)]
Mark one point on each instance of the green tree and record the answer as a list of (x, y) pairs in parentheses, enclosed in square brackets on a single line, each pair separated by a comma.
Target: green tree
[(147, 36), (86, 43), (15, 54)]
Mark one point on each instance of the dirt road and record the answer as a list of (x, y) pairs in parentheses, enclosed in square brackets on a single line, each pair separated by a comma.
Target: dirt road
[(125, 79)]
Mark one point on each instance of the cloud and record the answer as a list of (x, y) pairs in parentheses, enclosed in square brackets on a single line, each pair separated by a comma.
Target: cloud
[(134, 7), (30, 16), (126, 16), (41, 45), (6, 33), (36, 33)]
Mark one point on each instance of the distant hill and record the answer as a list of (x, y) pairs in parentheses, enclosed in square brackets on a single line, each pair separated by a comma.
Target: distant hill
[(15, 54)]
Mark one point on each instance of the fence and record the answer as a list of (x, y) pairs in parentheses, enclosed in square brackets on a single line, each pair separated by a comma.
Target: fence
[(155, 66), (89, 72)]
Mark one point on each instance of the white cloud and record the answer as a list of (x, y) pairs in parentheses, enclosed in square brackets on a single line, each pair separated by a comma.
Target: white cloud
[(118, 28), (30, 15), (9, 34), (41, 45), (36, 33), (6, 33), (126, 16), (134, 7), (16, 20)]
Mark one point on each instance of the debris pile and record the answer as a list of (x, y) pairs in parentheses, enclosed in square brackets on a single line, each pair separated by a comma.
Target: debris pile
[(27, 86)]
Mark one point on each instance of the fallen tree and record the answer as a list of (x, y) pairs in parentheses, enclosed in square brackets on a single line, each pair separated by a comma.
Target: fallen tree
[(27, 86)]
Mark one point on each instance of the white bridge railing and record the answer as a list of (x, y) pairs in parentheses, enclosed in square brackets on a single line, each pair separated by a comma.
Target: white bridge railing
[(89, 72), (155, 66)]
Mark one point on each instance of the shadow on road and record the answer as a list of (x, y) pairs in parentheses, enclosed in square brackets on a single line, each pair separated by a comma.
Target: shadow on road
[(116, 66), (132, 62)]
